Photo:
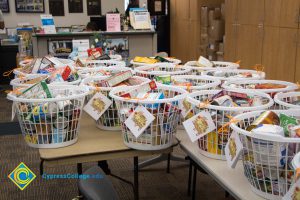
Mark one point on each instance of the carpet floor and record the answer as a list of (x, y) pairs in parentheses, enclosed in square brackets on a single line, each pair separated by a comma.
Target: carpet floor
[(154, 182)]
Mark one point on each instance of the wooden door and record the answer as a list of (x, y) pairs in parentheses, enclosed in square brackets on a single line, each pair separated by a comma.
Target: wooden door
[(279, 53), (250, 12), (249, 45), (272, 12), (297, 67), (230, 42)]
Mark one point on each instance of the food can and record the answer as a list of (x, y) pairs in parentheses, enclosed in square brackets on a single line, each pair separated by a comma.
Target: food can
[(60, 123)]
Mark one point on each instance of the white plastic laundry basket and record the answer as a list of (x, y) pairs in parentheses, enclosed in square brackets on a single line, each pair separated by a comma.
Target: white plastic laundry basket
[(160, 133), (173, 61), (267, 157), (289, 100), (109, 119), (21, 82), (51, 122), (102, 63), (161, 69), (213, 144), (193, 83), (102, 71), (235, 74), (218, 65)]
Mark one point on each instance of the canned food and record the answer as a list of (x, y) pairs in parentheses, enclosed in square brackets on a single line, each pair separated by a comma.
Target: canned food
[(61, 123)]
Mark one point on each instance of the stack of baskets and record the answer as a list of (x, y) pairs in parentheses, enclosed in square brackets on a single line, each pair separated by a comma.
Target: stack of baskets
[(173, 61), (102, 63), (235, 74)]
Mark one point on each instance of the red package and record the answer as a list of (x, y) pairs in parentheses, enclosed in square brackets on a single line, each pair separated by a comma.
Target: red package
[(66, 73), (95, 52)]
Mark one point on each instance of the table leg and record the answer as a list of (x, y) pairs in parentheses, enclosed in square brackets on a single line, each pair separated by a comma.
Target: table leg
[(42, 167), (104, 166), (168, 163), (194, 183), (79, 168), (190, 178), (79, 171), (227, 195), (136, 177)]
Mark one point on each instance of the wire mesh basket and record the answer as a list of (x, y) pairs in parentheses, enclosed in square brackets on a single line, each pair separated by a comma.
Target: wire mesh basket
[(235, 74), (267, 156), (102, 71), (218, 65), (102, 63), (213, 144), (154, 71), (160, 132), (173, 61), (27, 81), (271, 87), (109, 119), (192, 83), (289, 100), (51, 122)]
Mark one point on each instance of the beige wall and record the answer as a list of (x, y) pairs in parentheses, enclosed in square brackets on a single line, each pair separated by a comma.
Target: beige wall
[(12, 18)]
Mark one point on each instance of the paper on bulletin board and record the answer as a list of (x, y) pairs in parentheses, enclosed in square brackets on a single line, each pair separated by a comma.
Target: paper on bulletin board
[(48, 24), (113, 23)]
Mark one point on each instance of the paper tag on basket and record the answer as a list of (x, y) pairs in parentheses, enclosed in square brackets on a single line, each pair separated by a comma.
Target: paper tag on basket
[(204, 62), (139, 120), (199, 125), (185, 107), (97, 105), (294, 192), (13, 111), (233, 149)]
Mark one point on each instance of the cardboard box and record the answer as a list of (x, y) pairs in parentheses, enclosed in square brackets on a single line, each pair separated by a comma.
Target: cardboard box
[(217, 13), (211, 14), (204, 16), (203, 50), (217, 30), (204, 30), (204, 39)]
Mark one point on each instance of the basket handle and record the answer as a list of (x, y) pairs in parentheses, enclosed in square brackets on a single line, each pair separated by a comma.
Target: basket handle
[(268, 136)]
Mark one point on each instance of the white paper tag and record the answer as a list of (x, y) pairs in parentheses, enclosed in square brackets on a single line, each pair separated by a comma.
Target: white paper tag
[(185, 107), (233, 149), (13, 111), (294, 192), (199, 125), (205, 62), (97, 105), (139, 120)]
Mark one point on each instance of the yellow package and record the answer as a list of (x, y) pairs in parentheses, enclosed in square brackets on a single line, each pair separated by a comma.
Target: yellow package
[(145, 60), (212, 143)]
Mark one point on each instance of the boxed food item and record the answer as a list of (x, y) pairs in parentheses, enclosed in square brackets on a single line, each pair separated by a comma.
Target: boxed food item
[(116, 79)]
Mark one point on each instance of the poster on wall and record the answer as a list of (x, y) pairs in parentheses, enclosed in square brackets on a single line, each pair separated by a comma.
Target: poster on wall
[(4, 6), (94, 7), (56, 7), (75, 6), (30, 6)]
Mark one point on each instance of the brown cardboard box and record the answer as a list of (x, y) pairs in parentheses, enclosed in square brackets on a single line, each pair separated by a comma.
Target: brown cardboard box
[(217, 13), (203, 39), (212, 56), (203, 50), (217, 30), (204, 16), (210, 17), (204, 30)]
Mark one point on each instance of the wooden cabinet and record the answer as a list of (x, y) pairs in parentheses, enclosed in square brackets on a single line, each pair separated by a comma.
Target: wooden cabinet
[(279, 53), (230, 42), (250, 11), (297, 67), (231, 11), (249, 44)]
